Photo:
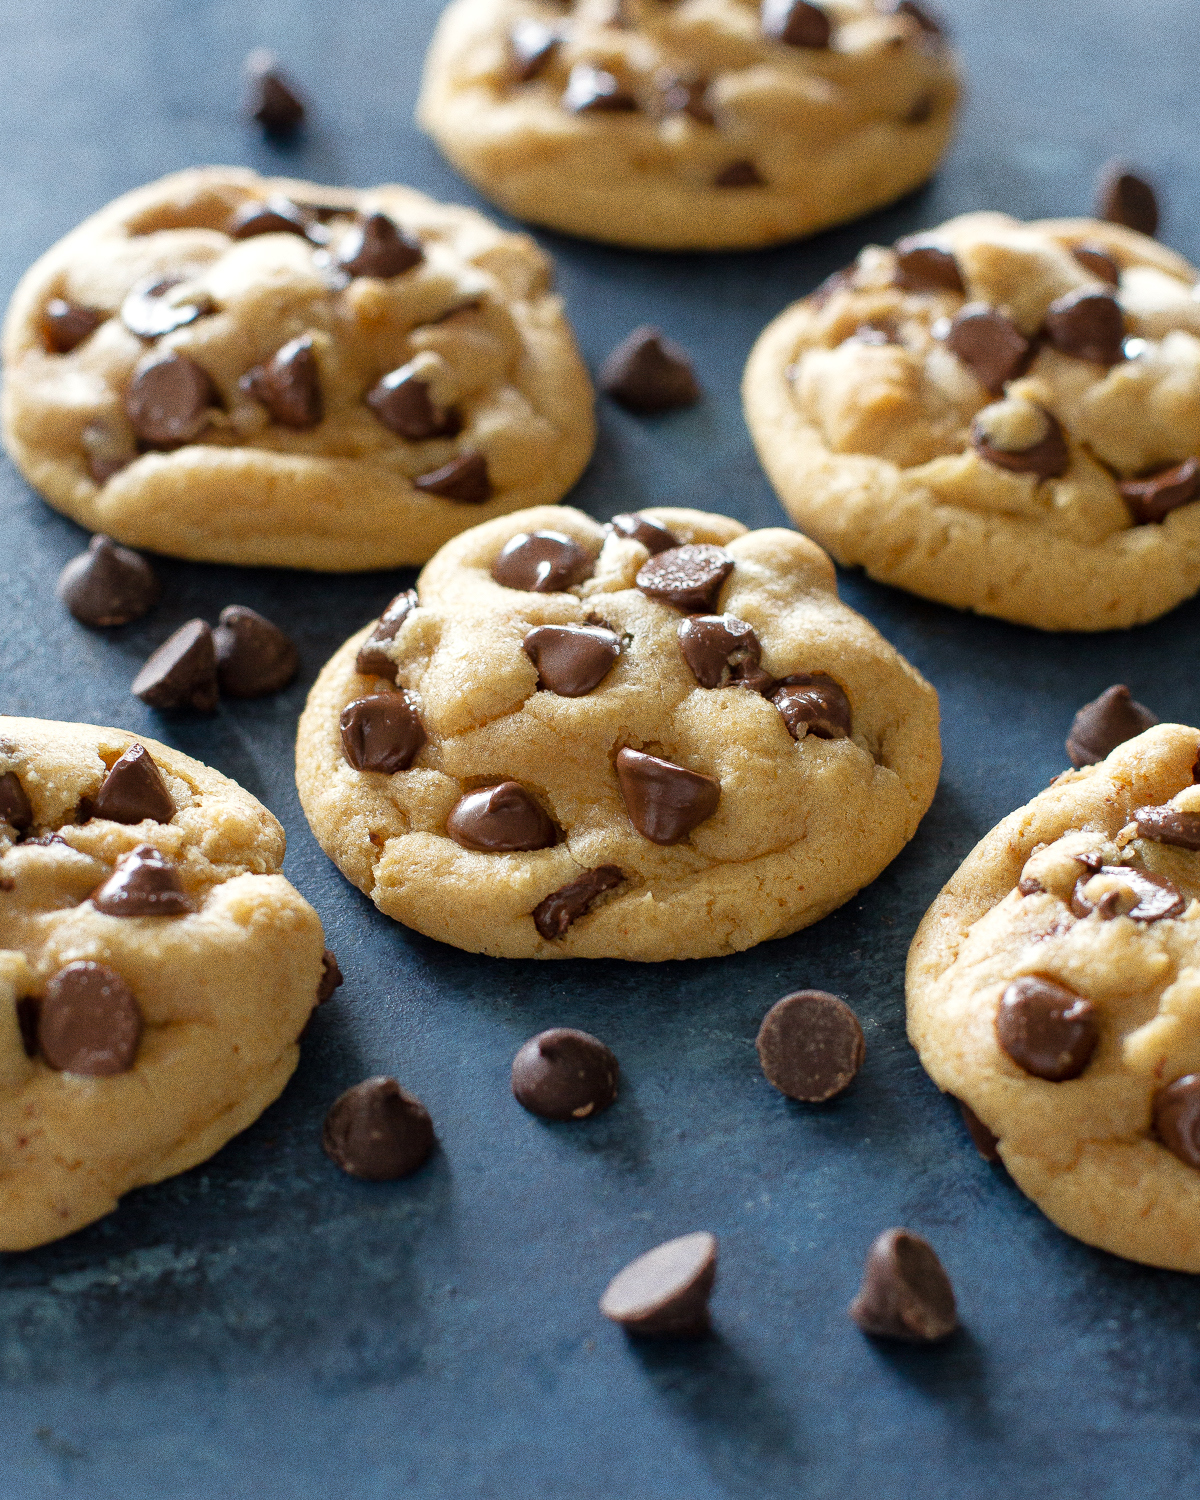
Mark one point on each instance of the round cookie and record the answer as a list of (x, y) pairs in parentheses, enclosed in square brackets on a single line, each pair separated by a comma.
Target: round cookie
[(662, 739), (1004, 417), (255, 370), (155, 969), (1054, 989), (703, 125)]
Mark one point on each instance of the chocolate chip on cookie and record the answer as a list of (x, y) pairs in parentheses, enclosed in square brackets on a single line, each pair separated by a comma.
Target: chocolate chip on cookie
[(1176, 1115), (89, 1022), (1021, 437), (592, 90), (689, 577), (905, 1292), (563, 1074), (990, 344), (1123, 891), (721, 649), (144, 884), (811, 1046), (664, 1293), (156, 306), (532, 46), (1169, 825), (649, 373), (274, 215), (984, 1140), (67, 324), (254, 657), (28, 1009), (377, 247), (795, 22), (1155, 496), (572, 659), (108, 584), (542, 562), (169, 400), (464, 479), (15, 807), (923, 266), (134, 790), (1047, 1029), (555, 914), (640, 528), (289, 385), (182, 673), (378, 1131), (1122, 197), (1108, 721), (382, 732), (402, 402), (664, 801), (1087, 325), (686, 96), (271, 96), (372, 659), (813, 703), (739, 174), (501, 819), (1099, 262)]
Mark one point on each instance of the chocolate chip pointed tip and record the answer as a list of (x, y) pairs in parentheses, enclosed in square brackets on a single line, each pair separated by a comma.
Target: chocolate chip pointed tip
[(289, 385), (379, 247), (464, 479), (254, 657), (331, 978), (501, 819), (797, 23), (169, 399), (182, 673), (638, 527), (648, 373), (66, 324), (665, 801), (542, 562), (905, 1292), (572, 660), (557, 912), (373, 659), (1124, 197), (378, 1131), (664, 1293), (144, 884), (272, 98), (564, 1074), (1106, 722), (134, 790), (108, 585), (811, 1046), (922, 265)]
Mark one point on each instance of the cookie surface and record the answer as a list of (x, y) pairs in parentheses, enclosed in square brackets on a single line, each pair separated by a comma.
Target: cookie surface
[(1092, 889), (150, 1002), (623, 808), (1004, 417), (693, 125), (256, 370)]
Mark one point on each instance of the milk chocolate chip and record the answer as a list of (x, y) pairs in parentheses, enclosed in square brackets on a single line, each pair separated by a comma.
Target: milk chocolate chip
[(592, 90), (640, 528), (169, 399), (402, 402), (501, 819), (905, 1292), (134, 790), (1123, 891), (1087, 325), (1169, 825), (154, 307), (542, 562), (182, 673), (67, 324), (376, 247), (372, 659), (688, 577), (1023, 438), (555, 914), (144, 884), (664, 1293), (1124, 198), (795, 22), (1097, 260), (532, 46), (464, 479), (562, 1074), (813, 703), (721, 649), (922, 266), (572, 659), (15, 808), (1047, 1029), (89, 1022), (1108, 721), (811, 1046), (990, 344), (275, 215), (108, 584), (289, 385), (378, 1131), (254, 657), (1176, 1113), (271, 96), (664, 801), (1152, 498), (649, 373), (382, 732)]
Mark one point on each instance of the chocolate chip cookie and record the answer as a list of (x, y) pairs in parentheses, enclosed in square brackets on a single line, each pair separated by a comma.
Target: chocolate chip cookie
[(255, 370), (661, 738)]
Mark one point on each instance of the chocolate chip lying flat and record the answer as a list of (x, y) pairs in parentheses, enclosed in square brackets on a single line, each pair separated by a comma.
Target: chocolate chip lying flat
[(689, 577), (331, 977), (382, 732), (664, 1293), (89, 1022), (1122, 197), (813, 703), (402, 402), (648, 373), (1047, 1029), (289, 385), (664, 801), (555, 914), (1152, 498), (378, 1131), (67, 324), (169, 399), (271, 97), (144, 884), (1108, 721), (1099, 262), (640, 528), (532, 46), (542, 562), (984, 1140), (1169, 825), (15, 808), (990, 344), (739, 174), (1123, 891), (572, 659), (905, 1292), (464, 479), (721, 649), (1042, 451), (1176, 1116), (1087, 325), (134, 790), (922, 266), (108, 584), (501, 819), (275, 215), (377, 247), (182, 673), (562, 1074), (810, 1046), (372, 659), (592, 90), (254, 657), (153, 307), (795, 22)]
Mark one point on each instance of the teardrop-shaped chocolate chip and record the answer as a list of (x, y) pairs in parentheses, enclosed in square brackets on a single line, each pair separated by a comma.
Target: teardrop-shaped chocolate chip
[(271, 97), (649, 373), (373, 659), (1042, 449), (640, 528), (796, 22), (464, 479), (739, 174), (813, 703), (1108, 721), (289, 385), (1047, 1029), (182, 673), (542, 562), (990, 344), (501, 819), (254, 657), (15, 808), (721, 649), (572, 659), (1096, 260), (1089, 325), (1176, 1114), (331, 977), (169, 399), (382, 732), (153, 307), (377, 247), (134, 790), (1169, 825), (144, 884), (531, 45), (89, 1022), (108, 585), (923, 266), (274, 215), (378, 1131), (1153, 497), (402, 402), (1123, 891), (689, 577), (553, 915), (905, 1292), (67, 324), (664, 801)]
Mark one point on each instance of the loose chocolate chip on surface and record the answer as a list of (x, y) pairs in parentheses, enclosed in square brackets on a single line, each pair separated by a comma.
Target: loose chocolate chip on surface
[(382, 732), (501, 819), (271, 97), (289, 385), (134, 790), (562, 1074), (151, 311), (532, 46), (688, 577), (254, 657), (811, 1046), (795, 22), (739, 174), (108, 584), (664, 1293), (721, 649), (555, 914), (592, 90), (378, 1131), (813, 703), (542, 562), (15, 808), (640, 528), (649, 373), (1122, 197), (664, 801), (984, 1140), (1169, 825), (1047, 1030), (1123, 891), (1099, 262), (372, 659), (275, 215), (1046, 455), (144, 884), (376, 247), (905, 1292), (1176, 1114), (182, 673), (687, 96), (169, 399), (572, 659), (402, 402), (89, 1022), (331, 977), (1087, 325), (990, 344), (1108, 721), (28, 1010), (922, 266), (1154, 497), (464, 479), (67, 324)]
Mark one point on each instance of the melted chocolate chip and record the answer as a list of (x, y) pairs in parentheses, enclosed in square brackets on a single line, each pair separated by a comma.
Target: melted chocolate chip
[(811, 1046), (640, 528), (1047, 458), (89, 1022), (254, 657), (1098, 262), (402, 402), (542, 562), (28, 1010), (1176, 1115), (289, 385), (664, 1293), (149, 312), (378, 1131), (1154, 497), (795, 22), (1124, 198), (572, 659), (277, 215), (739, 174), (382, 732), (144, 884), (67, 324), (1047, 1030), (169, 399), (108, 584), (592, 90), (984, 1140), (271, 96), (464, 479), (532, 46), (1108, 721), (372, 659), (331, 977), (376, 247), (813, 703), (990, 344), (556, 913), (649, 373), (1126, 892), (134, 790), (664, 801), (687, 96), (501, 819), (1169, 825), (688, 577), (905, 1292), (721, 649), (15, 808), (1087, 325), (563, 1074), (182, 673), (922, 266)]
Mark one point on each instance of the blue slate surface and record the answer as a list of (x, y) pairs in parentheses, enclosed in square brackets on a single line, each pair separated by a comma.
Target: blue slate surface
[(265, 1326)]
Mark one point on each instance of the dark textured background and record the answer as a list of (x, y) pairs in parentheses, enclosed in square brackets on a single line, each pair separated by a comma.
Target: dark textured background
[(265, 1326)]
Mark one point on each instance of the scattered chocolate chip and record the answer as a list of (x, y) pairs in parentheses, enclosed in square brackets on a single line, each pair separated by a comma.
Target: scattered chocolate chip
[(144, 884), (289, 385), (1154, 497), (1099, 262), (1176, 1115), (811, 1046), (1087, 325), (1047, 456), (572, 659), (372, 659), (795, 22), (542, 562), (990, 344), (1123, 891), (377, 247), (382, 732), (688, 577), (1047, 1030), (649, 373), (501, 819), (592, 90), (378, 1131), (664, 1293), (275, 215), (464, 479), (563, 1074), (532, 46), (28, 1009), (182, 673), (331, 977), (813, 703), (67, 324), (169, 399), (984, 1140), (1124, 198), (721, 649), (930, 24), (254, 657), (1108, 721), (1169, 825), (271, 96), (922, 266), (134, 790), (15, 808), (640, 528), (149, 311), (556, 913), (1029, 886), (664, 801), (687, 96), (739, 174), (89, 1022), (108, 584), (905, 1292), (402, 402)]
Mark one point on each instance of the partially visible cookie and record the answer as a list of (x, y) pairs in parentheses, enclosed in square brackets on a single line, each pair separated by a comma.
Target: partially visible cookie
[(666, 738), (258, 370), (156, 969), (1004, 417), (1054, 989), (706, 124)]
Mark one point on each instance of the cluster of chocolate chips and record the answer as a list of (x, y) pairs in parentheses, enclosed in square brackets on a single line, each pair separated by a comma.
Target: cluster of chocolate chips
[(246, 656)]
